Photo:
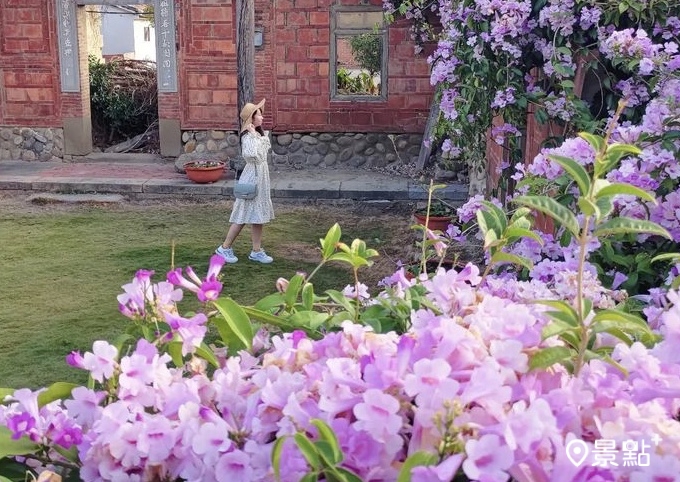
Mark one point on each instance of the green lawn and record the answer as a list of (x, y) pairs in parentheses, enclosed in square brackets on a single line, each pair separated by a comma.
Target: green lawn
[(62, 268)]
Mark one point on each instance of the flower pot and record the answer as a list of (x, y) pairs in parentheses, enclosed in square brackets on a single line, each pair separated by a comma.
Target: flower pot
[(435, 223), (203, 172)]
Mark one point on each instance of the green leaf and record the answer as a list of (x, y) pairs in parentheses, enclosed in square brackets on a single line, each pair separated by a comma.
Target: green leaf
[(482, 221), (206, 353), (490, 239), (588, 208), (555, 328), (293, 289), (308, 296), (327, 435), (70, 454), (617, 333), (605, 206), (326, 453), (596, 142), (614, 154), (348, 475), (622, 188), (630, 324), (624, 225), (330, 241), (513, 232), (277, 449), (310, 477), (560, 305), (342, 300), (310, 319), (520, 213), (308, 450), (276, 321), (568, 318), (576, 171), (416, 459), (553, 209), (10, 447), (344, 258), (233, 321), (175, 352), (270, 302), (498, 214), (13, 471), (674, 257), (503, 257), (121, 340), (547, 357), (56, 391)]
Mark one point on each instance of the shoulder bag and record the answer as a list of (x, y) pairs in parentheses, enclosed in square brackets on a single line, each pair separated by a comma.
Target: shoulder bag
[(245, 190)]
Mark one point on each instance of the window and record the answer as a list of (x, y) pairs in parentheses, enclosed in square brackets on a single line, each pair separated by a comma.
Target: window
[(358, 54), (147, 34)]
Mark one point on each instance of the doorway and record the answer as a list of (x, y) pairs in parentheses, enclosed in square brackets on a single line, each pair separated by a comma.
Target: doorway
[(121, 61), (128, 80)]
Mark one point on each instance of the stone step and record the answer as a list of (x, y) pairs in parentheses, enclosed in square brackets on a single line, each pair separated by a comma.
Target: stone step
[(51, 197), (124, 157)]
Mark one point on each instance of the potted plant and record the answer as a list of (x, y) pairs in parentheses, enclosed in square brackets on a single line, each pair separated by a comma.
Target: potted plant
[(204, 171), (440, 215)]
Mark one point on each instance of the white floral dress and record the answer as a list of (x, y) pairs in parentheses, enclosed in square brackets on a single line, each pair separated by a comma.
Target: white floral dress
[(259, 210)]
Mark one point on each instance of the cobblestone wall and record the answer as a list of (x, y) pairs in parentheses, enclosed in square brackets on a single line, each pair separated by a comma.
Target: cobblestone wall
[(325, 150), (31, 144)]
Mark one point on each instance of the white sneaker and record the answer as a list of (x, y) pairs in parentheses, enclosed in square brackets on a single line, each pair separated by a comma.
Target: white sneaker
[(260, 256), (227, 254)]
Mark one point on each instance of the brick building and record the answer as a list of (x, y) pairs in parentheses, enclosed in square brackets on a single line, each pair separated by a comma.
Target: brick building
[(44, 92)]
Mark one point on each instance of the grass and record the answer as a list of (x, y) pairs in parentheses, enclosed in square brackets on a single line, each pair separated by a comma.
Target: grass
[(62, 268)]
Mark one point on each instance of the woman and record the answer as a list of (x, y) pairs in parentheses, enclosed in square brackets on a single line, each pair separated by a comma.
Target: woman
[(258, 211)]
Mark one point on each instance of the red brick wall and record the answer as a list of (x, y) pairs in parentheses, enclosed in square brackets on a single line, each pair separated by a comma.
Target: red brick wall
[(292, 70), (301, 45), (29, 70), (206, 63)]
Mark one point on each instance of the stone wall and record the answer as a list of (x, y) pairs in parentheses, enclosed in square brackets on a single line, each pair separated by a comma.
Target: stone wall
[(323, 150), (31, 144)]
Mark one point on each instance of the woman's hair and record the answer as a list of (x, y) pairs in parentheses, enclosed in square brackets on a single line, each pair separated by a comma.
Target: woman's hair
[(258, 128)]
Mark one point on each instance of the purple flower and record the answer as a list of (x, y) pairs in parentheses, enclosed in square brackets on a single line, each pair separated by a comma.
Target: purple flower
[(20, 424), (101, 362), (84, 405), (487, 459), (190, 331), (427, 375), (377, 415), (206, 290), (233, 466)]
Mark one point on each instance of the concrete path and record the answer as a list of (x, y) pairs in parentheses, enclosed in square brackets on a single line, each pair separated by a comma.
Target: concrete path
[(148, 178)]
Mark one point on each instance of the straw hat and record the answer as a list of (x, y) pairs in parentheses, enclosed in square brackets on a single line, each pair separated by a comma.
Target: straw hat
[(247, 114)]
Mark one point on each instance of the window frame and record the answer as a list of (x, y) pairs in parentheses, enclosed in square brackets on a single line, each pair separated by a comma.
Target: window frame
[(333, 61)]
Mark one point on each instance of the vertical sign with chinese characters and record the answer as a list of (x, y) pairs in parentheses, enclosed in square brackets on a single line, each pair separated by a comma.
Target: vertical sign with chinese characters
[(166, 53), (67, 31)]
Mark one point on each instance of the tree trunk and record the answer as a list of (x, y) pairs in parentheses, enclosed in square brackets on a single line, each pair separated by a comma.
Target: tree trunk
[(245, 52), (426, 146)]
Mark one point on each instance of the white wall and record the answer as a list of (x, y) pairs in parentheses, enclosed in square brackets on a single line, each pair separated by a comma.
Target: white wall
[(117, 31), (144, 49)]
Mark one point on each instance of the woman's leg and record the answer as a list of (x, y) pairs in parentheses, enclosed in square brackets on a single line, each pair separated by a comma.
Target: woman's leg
[(258, 253), (233, 232), (256, 236)]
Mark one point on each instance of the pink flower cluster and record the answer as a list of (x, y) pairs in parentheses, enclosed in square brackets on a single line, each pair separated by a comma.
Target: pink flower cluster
[(457, 384)]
